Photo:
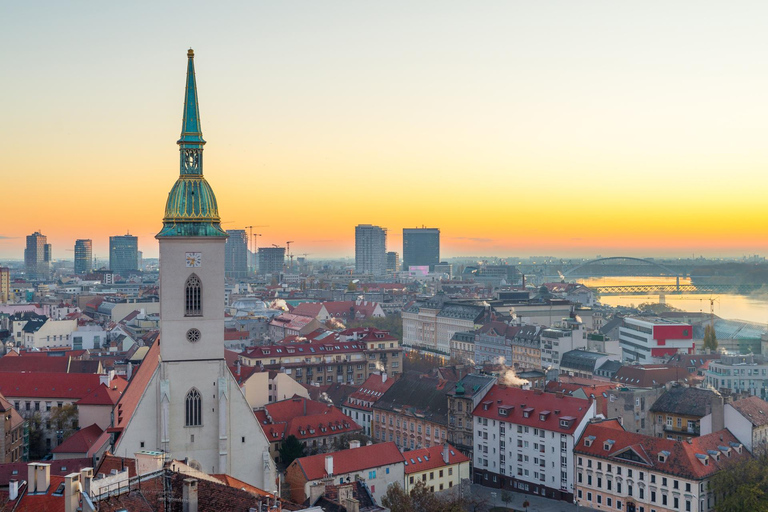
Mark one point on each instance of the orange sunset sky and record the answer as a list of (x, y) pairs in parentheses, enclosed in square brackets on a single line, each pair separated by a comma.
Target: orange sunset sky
[(516, 127)]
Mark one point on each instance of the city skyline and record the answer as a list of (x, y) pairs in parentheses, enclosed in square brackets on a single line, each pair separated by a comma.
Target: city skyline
[(625, 133)]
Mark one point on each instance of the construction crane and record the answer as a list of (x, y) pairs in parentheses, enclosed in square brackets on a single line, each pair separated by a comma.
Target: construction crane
[(250, 237), (290, 256)]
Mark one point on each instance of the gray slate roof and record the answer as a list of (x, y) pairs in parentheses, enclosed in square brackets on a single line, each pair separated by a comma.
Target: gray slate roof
[(685, 401)]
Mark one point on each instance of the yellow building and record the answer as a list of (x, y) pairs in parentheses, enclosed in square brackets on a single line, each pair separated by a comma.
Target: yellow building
[(440, 467), (677, 414)]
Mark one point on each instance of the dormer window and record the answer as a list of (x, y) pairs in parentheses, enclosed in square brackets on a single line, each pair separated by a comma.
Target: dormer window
[(663, 456), (543, 415), (608, 445), (588, 441)]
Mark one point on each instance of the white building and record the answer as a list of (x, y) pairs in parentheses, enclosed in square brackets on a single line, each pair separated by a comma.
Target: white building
[(429, 325), (739, 374), (183, 400), (556, 341), (370, 250), (747, 419), (524, 440), (653, 340)]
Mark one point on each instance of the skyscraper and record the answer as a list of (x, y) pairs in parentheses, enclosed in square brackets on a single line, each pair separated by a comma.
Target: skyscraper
[(83, 256), (370, 250), (37, 257), (421, 247), (236, 254), (123, 253), (271, 260)]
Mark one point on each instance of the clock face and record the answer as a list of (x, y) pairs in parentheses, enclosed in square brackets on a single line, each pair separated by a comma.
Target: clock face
[(194, 259)]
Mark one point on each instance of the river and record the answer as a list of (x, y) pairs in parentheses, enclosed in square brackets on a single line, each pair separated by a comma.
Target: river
[(750, 308)]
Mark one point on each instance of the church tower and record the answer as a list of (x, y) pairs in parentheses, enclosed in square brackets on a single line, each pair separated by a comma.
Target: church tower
[(183, 400)]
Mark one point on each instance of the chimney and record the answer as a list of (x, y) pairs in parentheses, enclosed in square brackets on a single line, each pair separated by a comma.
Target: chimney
[(32, 478), (446, 459), (86, 477), (72, 491), (347, 499), (189, 498), (329, 465), (316, 491), (13, 490), (237, 365), (43, 477), (383, 377), (129, 371), (106, 378), (354, 444)]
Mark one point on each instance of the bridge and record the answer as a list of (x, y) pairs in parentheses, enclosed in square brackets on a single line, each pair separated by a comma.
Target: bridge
[(679, 289), (609, 266)]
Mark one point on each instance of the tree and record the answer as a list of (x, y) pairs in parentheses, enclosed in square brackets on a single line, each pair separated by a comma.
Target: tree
[(290, 450), (710, 338), (742, 486), (422, 499), (656, 308), (37, 449), (506, 497)]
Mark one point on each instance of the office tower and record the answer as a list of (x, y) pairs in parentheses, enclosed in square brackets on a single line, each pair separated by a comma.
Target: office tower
[(370, 250), (393, 262), (236, 254), (83, 256), (271, 260), (37, 257), (421, 247), (123, 254), (5, 284)]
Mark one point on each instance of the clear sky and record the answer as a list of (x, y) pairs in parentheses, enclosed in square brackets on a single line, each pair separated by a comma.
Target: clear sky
[(517, 127)]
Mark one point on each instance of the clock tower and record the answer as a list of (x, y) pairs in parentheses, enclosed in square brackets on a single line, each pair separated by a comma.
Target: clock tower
[(191, 250)]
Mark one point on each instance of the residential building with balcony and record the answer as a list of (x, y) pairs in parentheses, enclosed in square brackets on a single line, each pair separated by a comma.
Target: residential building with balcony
[(413, 413), (556, 341), (736, 374), (524, 440), (680, 413), (620, 470), (359, 405)]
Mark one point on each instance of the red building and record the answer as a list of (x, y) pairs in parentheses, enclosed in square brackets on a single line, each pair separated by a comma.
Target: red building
[(653, 340)]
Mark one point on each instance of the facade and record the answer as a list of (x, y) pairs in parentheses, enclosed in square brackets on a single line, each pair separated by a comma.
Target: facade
[(524, 440), (393, 262), (526, 347), (37, 257), (421, 247), (5, 284), (370, 250), (582, 363), (51, 333), (462, 400), (429, 325), (736, 374), (183, 400), (631, 406), (439, 467), (747, 419), (680, 412), (271, 260), (12, 447), (378, 465), (236, 254), (359, 405), (123, 254), (619, 470), (413, 413), (493, 343), (653, 340), (556, 341), (83, 256), (462, 346)]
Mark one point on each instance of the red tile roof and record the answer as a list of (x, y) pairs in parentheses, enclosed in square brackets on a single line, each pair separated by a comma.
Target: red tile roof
[(370, 391), (81, 441), (104, 395), (111, 462), (754, 410), (316, 348), (650, 375), (132, 394), (311, 309), (683, 459), (304, 419), (71, 386), (42, 502), (18, 470), (34, 364), (518, 403), (425, 459), (349, 461)]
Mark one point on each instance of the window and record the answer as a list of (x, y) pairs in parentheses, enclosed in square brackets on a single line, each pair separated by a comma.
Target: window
[(371, 475), (193, 296), (194, 409)]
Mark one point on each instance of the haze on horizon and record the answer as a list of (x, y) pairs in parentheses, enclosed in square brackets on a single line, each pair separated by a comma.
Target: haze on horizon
[(517, 128)]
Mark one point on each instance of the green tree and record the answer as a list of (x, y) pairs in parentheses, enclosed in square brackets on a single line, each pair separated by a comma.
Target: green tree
[(290, 450), (710, 338), (422, 499), (656, 308), (742, 487), (37, 449), (392, 323)]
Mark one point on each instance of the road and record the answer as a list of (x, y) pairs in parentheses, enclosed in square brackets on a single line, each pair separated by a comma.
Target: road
[(536, 503)]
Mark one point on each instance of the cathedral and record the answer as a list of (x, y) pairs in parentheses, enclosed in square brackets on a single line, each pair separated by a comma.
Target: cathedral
[(183, 401)]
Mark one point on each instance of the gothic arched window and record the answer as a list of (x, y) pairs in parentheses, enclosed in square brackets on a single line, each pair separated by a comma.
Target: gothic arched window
[(193, 296), (193, 409)]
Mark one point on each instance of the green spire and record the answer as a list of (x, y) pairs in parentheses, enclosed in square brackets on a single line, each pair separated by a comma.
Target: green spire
[(191, 209), (191, 131)]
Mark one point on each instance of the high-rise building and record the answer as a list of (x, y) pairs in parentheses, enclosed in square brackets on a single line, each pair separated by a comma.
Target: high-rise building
[(185, 400), (123, 253), (83, 256), (271, 260), (421, 247), (5, 284), (370, 250), (393, 262), (236, 254), (37, 257)]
